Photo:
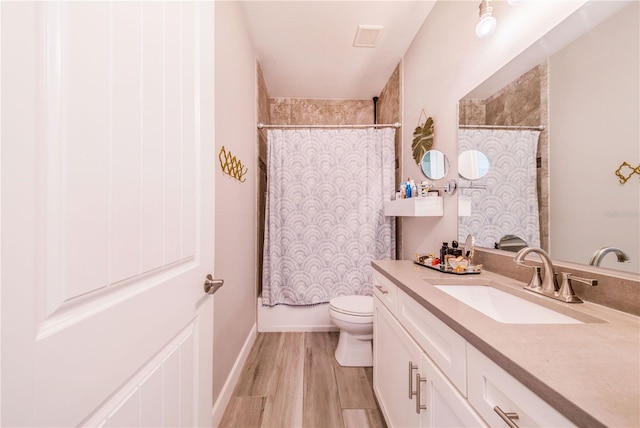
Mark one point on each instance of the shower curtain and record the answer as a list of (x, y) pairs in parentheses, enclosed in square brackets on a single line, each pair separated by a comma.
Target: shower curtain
[(509, 204), (324, 215)]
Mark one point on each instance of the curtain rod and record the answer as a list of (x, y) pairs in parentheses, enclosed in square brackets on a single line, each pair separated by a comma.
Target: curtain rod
[(377, 125), (533, 127)]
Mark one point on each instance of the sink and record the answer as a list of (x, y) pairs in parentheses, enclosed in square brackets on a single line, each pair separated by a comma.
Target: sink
[(504, 307)]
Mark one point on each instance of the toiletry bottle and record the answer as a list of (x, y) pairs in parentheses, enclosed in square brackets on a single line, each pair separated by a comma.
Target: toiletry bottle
[(414, 189), (455, 251), (403, 190), (443, 253), (408, 186)]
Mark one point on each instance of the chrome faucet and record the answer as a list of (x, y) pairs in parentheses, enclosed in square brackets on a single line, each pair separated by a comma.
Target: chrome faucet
[(599, 255), (547, 284)]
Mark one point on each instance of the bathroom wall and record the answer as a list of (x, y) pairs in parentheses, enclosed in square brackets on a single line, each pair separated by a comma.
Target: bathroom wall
[(522, 102), (235, 213), (444, 62)]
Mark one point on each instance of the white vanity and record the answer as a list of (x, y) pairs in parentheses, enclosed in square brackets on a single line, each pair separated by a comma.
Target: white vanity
[(431, 367)]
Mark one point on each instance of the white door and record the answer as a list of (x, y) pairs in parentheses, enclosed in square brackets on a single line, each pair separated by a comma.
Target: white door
[(107, 213)]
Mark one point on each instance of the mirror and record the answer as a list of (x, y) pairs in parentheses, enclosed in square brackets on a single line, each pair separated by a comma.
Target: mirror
[(472, 164), (435, 165), (582, 86)]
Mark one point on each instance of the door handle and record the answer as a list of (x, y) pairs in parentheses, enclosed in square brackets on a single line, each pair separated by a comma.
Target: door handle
[(412, 367), (212, 285), (419, 406)]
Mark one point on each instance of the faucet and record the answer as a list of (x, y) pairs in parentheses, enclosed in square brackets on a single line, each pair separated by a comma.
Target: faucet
[(599, 255), (547, 284)]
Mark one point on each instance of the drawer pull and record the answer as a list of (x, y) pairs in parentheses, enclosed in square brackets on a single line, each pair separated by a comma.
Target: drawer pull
[(382, 289), (419, 406), (412, 367), (508, 417)]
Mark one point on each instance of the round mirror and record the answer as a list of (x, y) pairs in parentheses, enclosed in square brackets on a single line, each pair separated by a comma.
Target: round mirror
[(469, 243), (434, 164), (472, 164)]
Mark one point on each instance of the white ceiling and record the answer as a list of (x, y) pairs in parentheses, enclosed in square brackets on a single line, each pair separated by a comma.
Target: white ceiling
[(305, 47)]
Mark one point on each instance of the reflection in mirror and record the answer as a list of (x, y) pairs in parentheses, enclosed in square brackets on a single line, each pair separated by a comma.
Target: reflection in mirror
[(511, 243), (582, 86), (473, 164), (435, 165)]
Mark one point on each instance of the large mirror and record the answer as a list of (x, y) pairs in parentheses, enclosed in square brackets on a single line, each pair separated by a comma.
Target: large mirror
[(577, 91)]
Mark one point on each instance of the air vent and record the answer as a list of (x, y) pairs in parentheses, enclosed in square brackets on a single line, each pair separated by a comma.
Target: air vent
[(367, 36)]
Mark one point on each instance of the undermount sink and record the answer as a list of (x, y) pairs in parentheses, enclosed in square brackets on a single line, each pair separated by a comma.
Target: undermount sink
[(505, 307)]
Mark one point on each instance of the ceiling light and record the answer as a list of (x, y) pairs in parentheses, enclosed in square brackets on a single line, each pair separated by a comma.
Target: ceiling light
[(487, 23)]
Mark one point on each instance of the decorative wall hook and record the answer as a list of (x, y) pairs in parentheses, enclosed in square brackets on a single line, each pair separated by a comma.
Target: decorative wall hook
[(625, 175), (231, 165)]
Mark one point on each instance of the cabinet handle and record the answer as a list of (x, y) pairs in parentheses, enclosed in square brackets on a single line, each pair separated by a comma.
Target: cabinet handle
[(412, 367), (382, 289), (419, 379), (508, 417)]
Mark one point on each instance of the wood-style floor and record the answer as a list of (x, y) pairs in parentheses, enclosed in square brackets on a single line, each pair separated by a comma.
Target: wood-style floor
[(293, 380)]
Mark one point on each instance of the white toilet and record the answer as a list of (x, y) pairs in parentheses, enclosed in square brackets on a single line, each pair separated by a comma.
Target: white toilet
[(354, 316)]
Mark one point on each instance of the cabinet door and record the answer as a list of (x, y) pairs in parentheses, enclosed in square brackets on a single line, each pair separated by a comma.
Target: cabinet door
[(445, 406), (491, 387), (393, 350)]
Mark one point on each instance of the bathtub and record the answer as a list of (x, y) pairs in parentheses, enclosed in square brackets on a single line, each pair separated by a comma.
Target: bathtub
[(294, 318)]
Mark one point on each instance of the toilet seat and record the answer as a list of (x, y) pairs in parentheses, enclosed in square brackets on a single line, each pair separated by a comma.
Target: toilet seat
[(357, 306)]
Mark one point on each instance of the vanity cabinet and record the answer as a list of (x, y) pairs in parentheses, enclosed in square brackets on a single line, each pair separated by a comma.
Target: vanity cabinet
[(396, 361), (411, 390), (427, 375)]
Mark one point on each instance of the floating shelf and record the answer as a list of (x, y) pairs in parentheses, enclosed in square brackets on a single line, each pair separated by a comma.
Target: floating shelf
[(432, 206)]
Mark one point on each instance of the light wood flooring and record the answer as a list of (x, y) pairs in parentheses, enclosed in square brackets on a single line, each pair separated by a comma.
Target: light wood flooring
[(293, 380)]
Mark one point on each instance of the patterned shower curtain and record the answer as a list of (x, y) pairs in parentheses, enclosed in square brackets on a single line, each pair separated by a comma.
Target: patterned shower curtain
[(324, 216), (509, 204)]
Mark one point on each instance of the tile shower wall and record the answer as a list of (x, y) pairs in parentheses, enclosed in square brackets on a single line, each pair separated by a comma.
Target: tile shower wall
[(263, 114), (522, 102), (304, 111), (389, 103)]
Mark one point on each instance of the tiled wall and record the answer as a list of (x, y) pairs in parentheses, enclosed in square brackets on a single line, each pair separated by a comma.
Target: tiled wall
[(302, 111), (523, 102), (389, 103), (263, 117)]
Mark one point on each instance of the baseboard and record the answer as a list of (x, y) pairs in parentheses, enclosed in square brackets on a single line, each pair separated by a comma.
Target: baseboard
[(229, 385)]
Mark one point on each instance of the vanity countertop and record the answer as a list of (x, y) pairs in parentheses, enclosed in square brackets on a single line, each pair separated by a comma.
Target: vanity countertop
[(589, 372)]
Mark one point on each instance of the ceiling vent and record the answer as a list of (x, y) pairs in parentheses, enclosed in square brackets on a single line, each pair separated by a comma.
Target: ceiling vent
[(367, 36)]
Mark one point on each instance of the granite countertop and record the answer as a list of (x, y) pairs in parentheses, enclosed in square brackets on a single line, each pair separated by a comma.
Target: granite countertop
[(589, 372)]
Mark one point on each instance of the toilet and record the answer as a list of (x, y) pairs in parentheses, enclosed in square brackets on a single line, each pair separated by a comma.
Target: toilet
[(354, 316)]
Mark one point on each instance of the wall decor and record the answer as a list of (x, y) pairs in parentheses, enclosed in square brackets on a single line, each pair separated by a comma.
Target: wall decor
[(231, 165), (624, 177), (422, 138)]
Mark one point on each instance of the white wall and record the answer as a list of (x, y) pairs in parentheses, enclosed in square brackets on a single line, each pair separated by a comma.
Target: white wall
[(235, 79), (593, 118), (445, 61)]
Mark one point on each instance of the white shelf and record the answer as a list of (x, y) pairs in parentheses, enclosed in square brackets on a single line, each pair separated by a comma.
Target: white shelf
[(415, 207)]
